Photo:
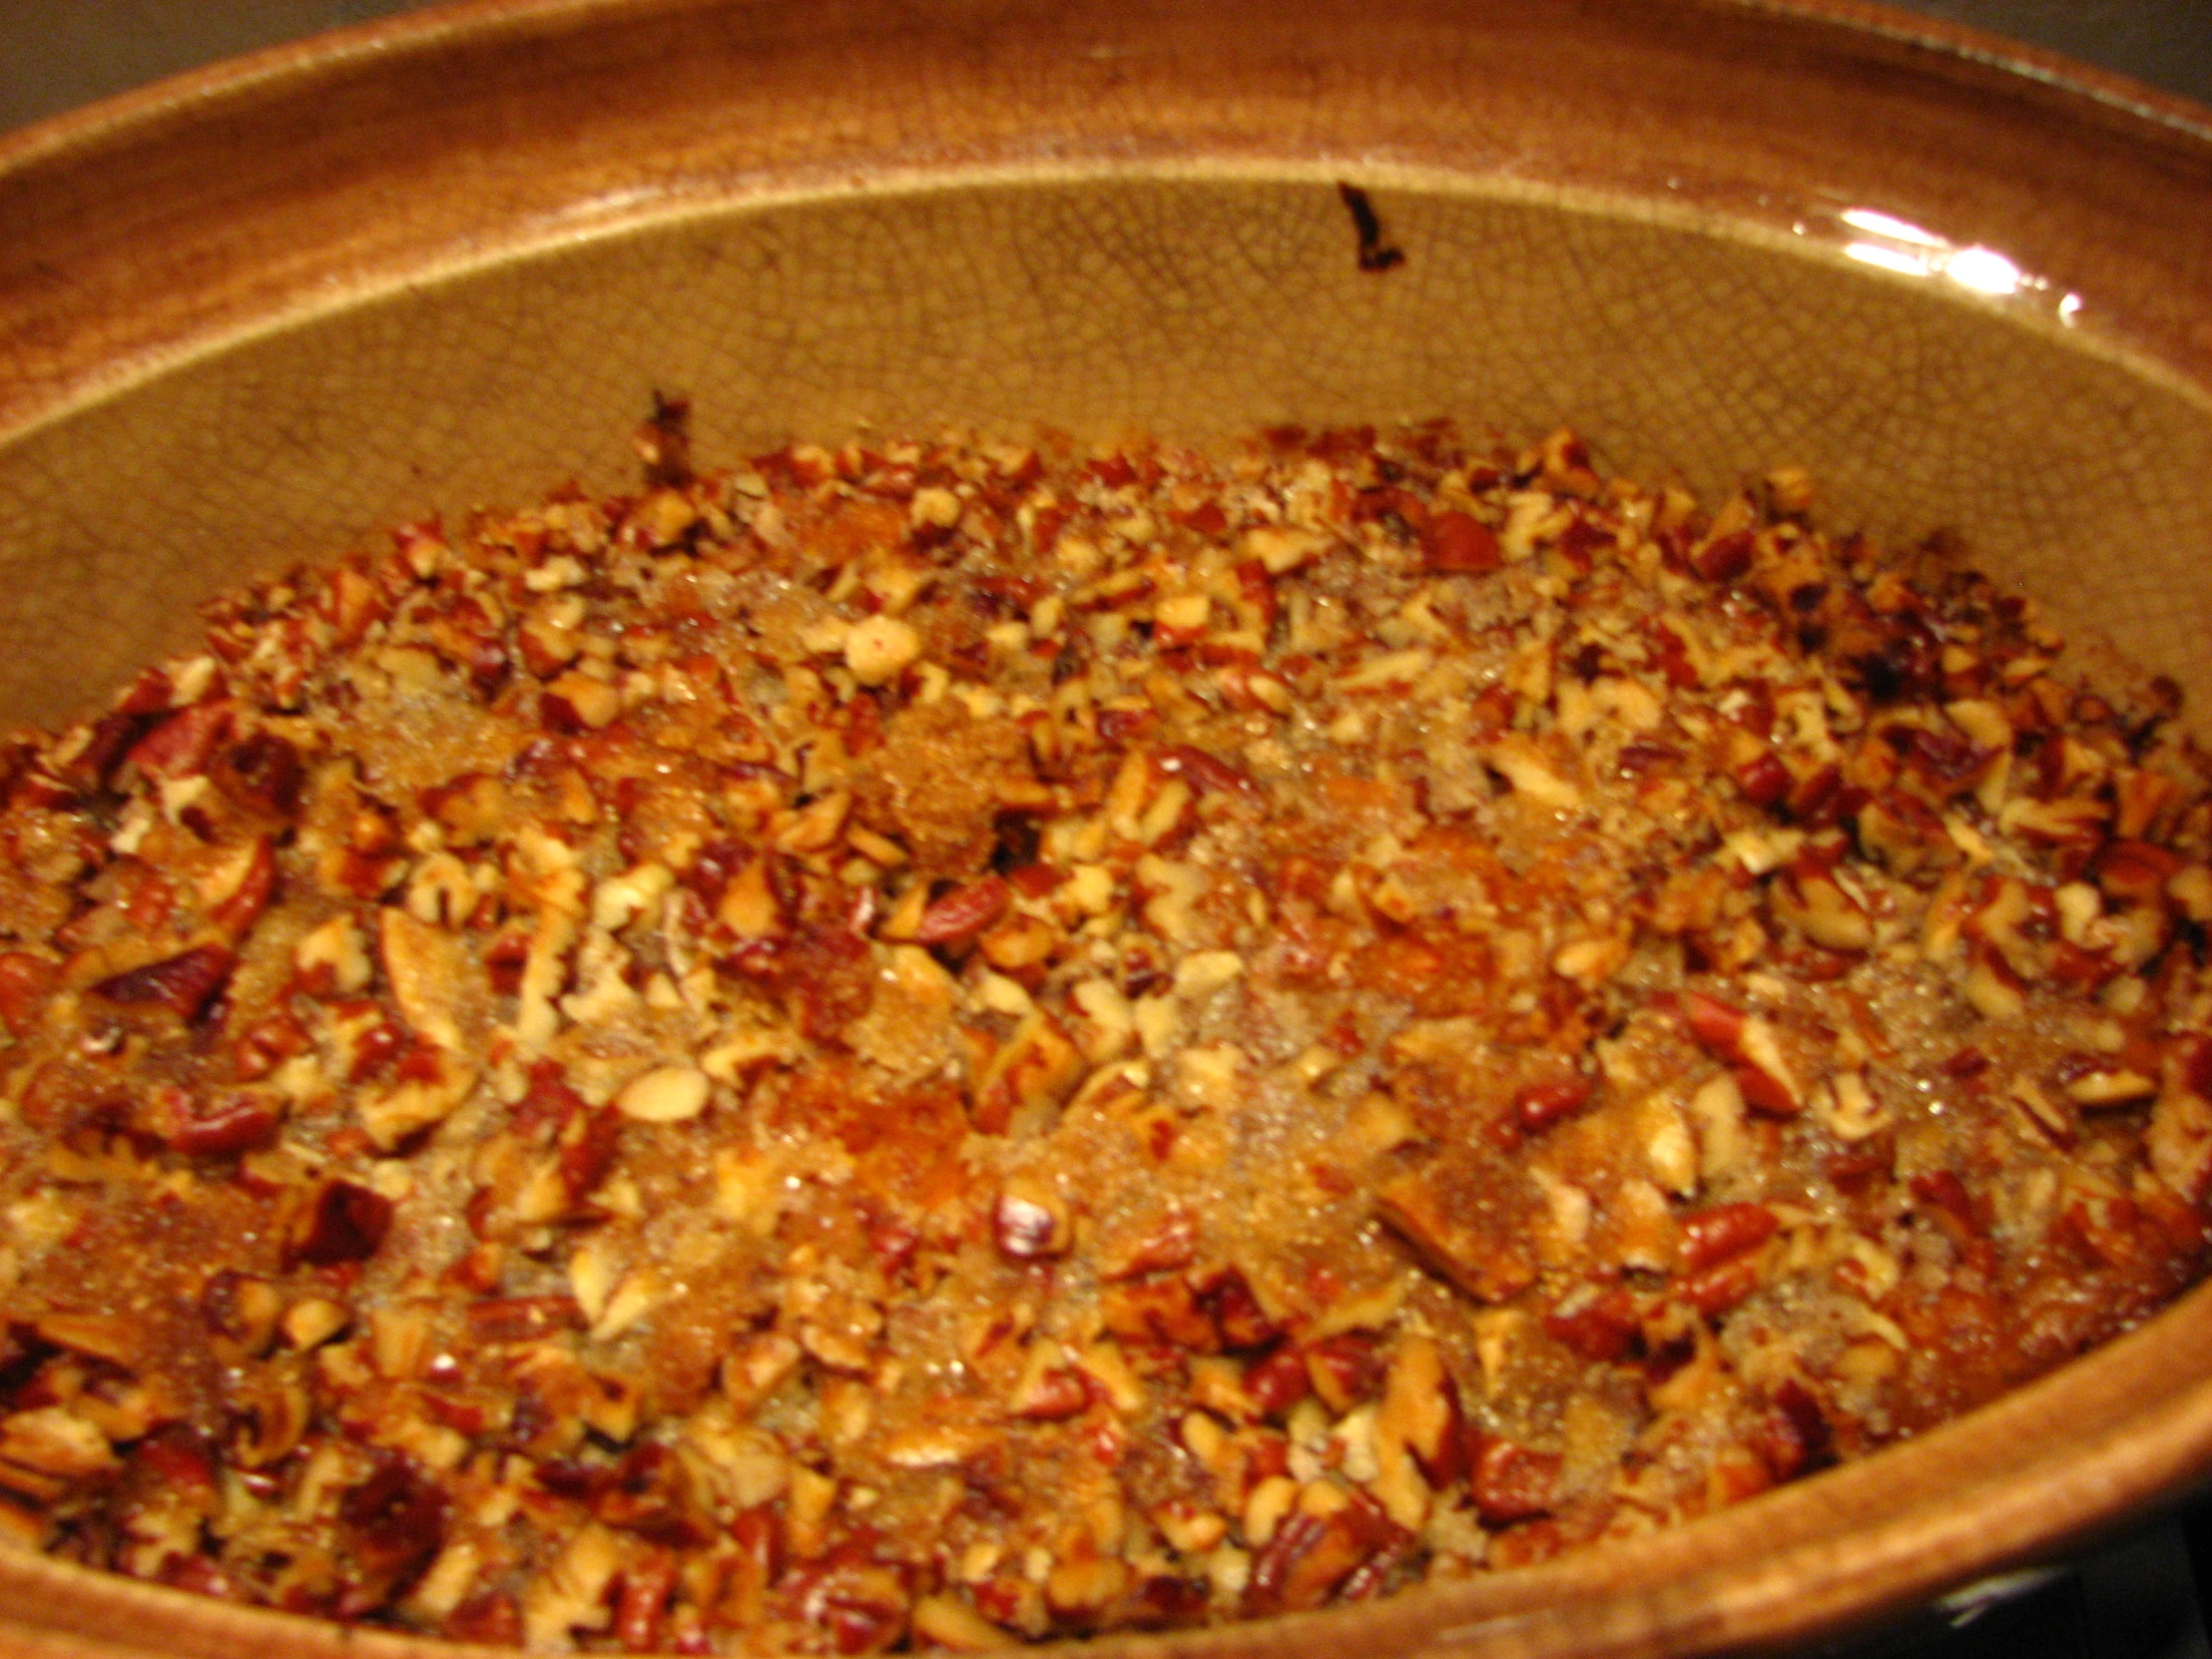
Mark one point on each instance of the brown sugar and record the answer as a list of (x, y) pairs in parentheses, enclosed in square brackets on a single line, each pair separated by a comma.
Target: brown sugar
[(946, 1043)]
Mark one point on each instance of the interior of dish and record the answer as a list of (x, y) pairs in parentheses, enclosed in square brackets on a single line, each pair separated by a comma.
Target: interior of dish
[(1197, 301)]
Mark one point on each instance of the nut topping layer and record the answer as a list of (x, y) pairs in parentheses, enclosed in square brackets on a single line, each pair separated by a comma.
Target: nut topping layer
[(952, 1043)]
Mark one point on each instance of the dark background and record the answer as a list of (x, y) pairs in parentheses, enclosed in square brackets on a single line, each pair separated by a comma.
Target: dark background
[(2136, 1599)]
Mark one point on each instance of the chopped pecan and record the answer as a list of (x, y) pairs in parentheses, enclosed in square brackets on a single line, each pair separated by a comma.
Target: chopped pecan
[(963, 912), (1727, 1229), (340, 1222), (1161, 1311), (1345, 1368), (25, 983), (1458, 544), (184, 983), (522, 1319), (1311, 1554), (1465, 1248), (261, 771), (1513, 1483), (231, 1127), (1031, 1220)]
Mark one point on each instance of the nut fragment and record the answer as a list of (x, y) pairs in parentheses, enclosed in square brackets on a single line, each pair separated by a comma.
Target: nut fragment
[(668, 1094), (1464, 1248), (316, 1320), (580, 703), (184, 983), (879, 649), (54, 1442), (342, 1222), (1031, 1220)]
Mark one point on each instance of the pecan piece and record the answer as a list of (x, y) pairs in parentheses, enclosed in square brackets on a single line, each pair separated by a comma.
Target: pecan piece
[(1602, 1327), (257, 886), (1724, 1231), (1719, 1287), (1746, 1042), (1171, 1244), (340, 1223), (1278, 1381), (1311, 1554), (1511, 1482), (1163, 1312), (1540, 1105), (261, 771), (186, 982), (180, 746), (395, 1520), (1207, 774), (25, 983), (1031, 1221), (54, 1441), (1458, 544), (1225, 1296), (652, 1492), (1421, 1434), (523, 1318), (1465, 1249), (1344, 1369), (963, 912), (235, 1126)]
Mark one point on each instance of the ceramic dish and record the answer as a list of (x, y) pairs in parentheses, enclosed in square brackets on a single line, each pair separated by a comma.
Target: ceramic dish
[(254, 313)]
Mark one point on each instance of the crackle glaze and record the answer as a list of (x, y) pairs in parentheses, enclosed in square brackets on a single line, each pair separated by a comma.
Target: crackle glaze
[(252, 315)]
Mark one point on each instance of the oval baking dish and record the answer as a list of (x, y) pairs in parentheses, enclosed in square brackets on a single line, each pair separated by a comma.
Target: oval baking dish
[(253, 315)]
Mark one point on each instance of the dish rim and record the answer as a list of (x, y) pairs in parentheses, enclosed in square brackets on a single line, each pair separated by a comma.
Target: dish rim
[(1640, 1598)]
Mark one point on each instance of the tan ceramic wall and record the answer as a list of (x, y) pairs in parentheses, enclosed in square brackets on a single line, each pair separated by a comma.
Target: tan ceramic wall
[(1196, 308)]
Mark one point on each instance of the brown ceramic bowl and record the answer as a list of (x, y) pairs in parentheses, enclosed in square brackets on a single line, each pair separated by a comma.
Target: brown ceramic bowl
[(252, 314)]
